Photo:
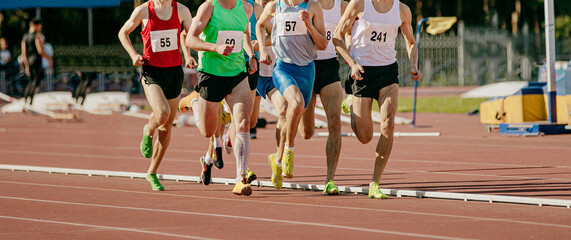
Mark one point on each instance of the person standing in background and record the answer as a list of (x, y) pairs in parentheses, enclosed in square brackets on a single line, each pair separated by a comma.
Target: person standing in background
[(32, 53)]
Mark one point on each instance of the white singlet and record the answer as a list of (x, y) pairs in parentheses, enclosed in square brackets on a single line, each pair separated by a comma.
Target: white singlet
[(373, 36), (331, 18)]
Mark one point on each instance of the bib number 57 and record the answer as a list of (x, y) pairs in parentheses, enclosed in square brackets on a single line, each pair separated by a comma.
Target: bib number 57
[(290, 25)]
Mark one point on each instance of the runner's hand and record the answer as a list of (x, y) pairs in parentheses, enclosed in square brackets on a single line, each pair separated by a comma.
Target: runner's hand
[(224, 49), (265, 58), (304, 15), (255, 46), (415, 74), (137, 60), (253, 65), (190, 63), (356, 71)]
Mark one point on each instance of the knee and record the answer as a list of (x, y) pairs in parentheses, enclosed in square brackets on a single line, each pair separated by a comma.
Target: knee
[(365, 138), (243, 125), (207, 133), (334, 123), (162, 115), (297, 107), (307, 132), (253, 122), (388, 124)]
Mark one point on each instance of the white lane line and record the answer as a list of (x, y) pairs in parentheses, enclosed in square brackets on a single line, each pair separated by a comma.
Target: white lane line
[(364, 169), (325, 225), (367, 210), (103, 227), (316, 156)]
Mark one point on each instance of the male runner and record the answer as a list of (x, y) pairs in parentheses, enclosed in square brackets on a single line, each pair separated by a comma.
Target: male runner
[(32, 53), (213, 155), (328, 86), (374, 25), (297, 31), (266, 87), (252, 78), (161, 75), (222, 26)]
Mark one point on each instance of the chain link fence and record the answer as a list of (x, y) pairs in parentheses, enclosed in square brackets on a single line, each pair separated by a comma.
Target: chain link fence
[(470, 56)]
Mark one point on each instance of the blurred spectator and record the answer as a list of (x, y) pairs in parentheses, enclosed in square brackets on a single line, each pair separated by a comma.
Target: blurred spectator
[(5, 55), (32, 53)]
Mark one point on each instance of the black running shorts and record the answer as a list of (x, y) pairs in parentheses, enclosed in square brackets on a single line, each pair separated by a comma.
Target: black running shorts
[(169, 79), (326, 72), (374, 79), (215, 88), (253, 78)]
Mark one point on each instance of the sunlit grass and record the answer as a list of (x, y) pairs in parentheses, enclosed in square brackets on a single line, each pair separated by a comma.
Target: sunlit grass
[(438, 104)]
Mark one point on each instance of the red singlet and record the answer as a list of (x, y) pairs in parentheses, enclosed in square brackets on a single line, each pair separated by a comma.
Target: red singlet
[(161, 39)]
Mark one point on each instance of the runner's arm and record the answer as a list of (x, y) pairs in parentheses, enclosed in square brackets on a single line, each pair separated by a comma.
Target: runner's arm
[(40, 46), (248, 41), (317, 29), (200, 21), (344, 28), (261, 30), (186, 17), (258, 9), (411, 48), (136, 18)]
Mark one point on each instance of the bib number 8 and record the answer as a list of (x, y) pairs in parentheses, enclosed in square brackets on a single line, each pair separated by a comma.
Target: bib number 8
[(328, 35)]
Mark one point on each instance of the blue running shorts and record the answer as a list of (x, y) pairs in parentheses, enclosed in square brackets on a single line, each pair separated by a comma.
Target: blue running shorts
[(287, 74)]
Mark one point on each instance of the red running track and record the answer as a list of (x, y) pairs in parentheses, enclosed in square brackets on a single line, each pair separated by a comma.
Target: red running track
[(464, 159)]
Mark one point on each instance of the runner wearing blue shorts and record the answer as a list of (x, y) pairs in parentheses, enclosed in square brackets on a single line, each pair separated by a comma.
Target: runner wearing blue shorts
[(298, 30)]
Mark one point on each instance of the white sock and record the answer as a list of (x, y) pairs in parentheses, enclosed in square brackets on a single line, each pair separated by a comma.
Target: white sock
[(241, 146), (208, 158), (194, 105), (217, 142), (286, 148)]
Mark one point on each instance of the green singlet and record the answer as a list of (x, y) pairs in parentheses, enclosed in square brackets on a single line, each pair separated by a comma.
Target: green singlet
[(225, 27)]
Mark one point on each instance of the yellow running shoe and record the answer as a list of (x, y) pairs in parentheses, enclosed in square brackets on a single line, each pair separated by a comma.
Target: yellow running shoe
[(276, 171), (287, 163), (242, 188), (330, 188), (346, 104), (375, 192), (250, 176)]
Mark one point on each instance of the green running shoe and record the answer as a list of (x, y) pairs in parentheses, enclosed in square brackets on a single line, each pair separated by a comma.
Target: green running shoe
[(276, 171), (250, 176), (330, 188), (345, 105), (375, 192), (154, 181), (287, 163), (146, 144)]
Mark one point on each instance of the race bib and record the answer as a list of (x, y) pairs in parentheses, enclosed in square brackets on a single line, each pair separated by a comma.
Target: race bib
[(290, 24), (164, 40), (232, 38), (329, 31), (381, 35)]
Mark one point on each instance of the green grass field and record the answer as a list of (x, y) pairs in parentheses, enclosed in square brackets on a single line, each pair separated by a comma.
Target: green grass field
[(440, 104)]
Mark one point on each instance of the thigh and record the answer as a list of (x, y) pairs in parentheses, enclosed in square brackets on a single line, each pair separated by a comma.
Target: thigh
[(362, 114), (240, 101), (155, 97), (388, 102), (331, 98)]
